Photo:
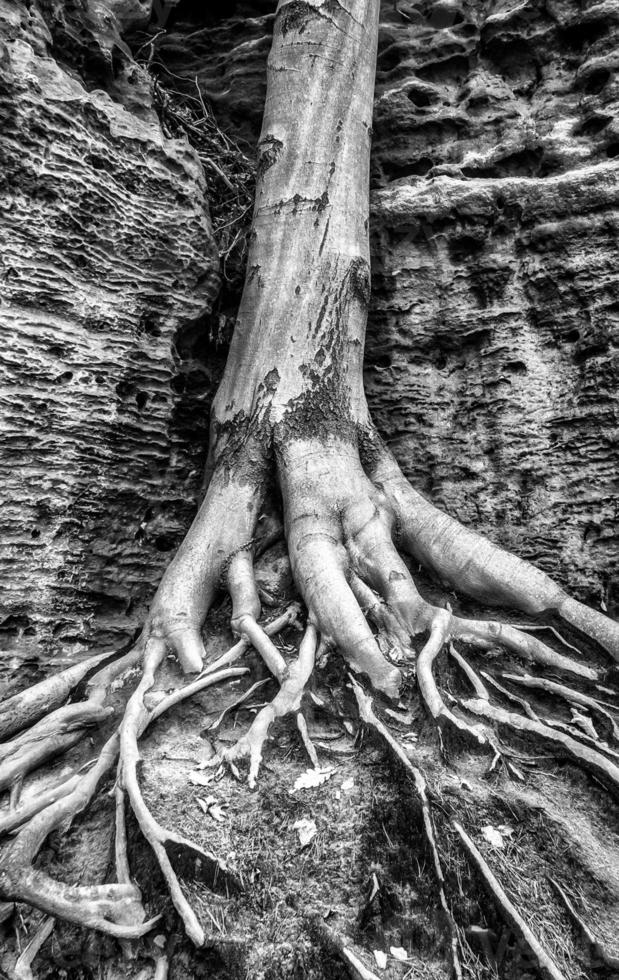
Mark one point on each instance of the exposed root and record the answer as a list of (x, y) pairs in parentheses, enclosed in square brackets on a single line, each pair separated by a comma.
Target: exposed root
[(508, 910), (439, 632), (287, 618), (587, 758), (293, 679), (369, 717), (514, 698), (165, 843), (115, 908), (261, 642), (478, 685), (27, 707), (377, 611), (472, 564), (23, 812), (598, 949), (568, 694), (337, 946), (488, 635), (356, 968), (23, 966), (539, 627), (49, 737)]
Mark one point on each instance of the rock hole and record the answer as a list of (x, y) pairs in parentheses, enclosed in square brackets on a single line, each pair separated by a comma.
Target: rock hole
[(417, 168), (592, 126), (419, 97), (597, 80)]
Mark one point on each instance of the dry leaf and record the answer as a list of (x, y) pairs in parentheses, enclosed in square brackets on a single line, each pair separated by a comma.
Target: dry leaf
[(311, 778), (348, 784), (492, 835), (306, 830), (212, 807), (200, 779), (398, 953), (381, 959)]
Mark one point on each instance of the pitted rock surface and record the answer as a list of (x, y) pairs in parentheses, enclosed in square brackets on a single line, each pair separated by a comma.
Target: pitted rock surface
[(107, 260)]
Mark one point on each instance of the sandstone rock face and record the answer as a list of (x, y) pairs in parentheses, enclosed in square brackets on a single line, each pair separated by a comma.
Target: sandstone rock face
[(496, 298), (107, 260), (491, 354), (491, 359)]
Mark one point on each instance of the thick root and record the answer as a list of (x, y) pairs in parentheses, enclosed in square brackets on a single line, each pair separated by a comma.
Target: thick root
[(27, 707), (114, 909), (471, 564)]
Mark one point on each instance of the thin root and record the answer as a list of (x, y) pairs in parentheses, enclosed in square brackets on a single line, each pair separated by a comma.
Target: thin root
[(508, 909), (368, 716), (286, 701), (609, 960)]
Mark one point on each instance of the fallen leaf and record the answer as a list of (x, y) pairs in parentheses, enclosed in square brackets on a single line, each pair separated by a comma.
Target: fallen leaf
[(212, 807), (492, 835), (348, 784), (311, 778), (398, 953), (306, 830), (200, 779), (505, 830), (381, 959)]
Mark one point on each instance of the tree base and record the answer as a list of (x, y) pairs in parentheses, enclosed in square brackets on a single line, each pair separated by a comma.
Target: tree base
[(465, 741)]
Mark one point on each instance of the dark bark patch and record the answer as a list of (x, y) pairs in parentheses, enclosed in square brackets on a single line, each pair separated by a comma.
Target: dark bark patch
[(360, 280), (322, 410), (294, 16), (269, 150)]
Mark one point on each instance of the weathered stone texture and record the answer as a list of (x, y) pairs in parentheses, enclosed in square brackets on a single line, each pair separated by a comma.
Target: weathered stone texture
[(107, 256), (496, 298)]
